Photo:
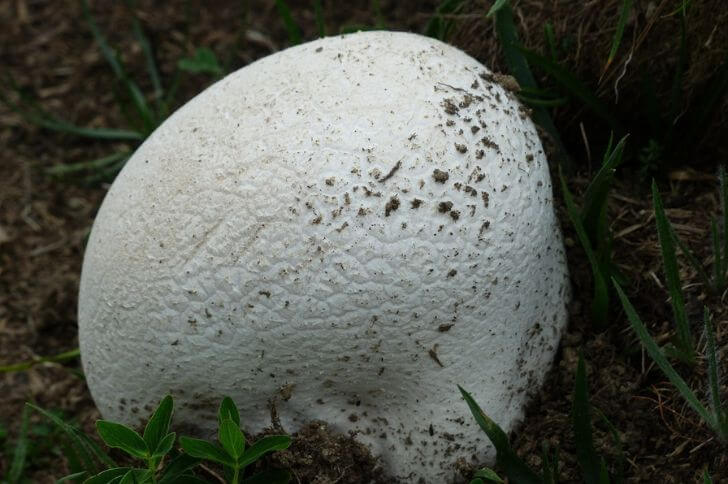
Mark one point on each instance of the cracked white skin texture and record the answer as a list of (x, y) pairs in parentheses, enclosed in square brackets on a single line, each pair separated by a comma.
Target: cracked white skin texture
[(287, 229)]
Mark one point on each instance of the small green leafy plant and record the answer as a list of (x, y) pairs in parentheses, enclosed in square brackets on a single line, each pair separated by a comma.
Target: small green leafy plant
[(594, 468), (155, 447), (232, 452)]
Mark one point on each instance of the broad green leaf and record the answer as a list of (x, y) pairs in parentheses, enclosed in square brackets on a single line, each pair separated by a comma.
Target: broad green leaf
[(77, 476), (706, 477), (581, 419), (654, 351), (672, 277), (488, 474), (263, 446), (108, 475), (506, 458), (158, 425), (228, 409), (122, 437), (165, 445), (203, 449), (176, 468), (231, 438)]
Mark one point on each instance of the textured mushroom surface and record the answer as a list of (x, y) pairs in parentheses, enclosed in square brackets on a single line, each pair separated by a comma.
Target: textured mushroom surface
[(351, 227)]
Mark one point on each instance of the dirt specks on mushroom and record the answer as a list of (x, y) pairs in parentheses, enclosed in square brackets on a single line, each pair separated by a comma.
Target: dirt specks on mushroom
[(440, 176), (391, 206)]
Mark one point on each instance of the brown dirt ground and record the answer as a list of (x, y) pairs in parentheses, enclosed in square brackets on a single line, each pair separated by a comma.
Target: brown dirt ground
[(43, 222)]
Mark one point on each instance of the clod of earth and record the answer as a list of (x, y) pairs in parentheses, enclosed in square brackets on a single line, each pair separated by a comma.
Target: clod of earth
[(380, 320)]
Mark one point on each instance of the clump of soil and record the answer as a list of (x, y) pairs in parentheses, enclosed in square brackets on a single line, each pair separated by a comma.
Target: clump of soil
[(319, 455)]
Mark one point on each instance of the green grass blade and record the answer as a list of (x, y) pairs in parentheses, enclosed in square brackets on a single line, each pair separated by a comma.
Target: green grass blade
[(294, 32), (499, 4), (600, 302), (672, 277), (45, 120), (91, 456), (133, 90), (549, 465), (692, 260), (319, 13), (97, 164), (717, 255), (659, 358), (586, 456), (148, 54), (21, 449), (619, 477), (619, 33), (543, 103), (714, 377), (706, 477), (61, 126), (59, 358), (595, 198), (438, 26), (518, 67), (203, 61), (550, 36), (723, 189), (106, 50), (573, 86), (516, 470)]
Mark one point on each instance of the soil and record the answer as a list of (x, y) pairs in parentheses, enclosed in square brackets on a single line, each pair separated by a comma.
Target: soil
[(48, 50)]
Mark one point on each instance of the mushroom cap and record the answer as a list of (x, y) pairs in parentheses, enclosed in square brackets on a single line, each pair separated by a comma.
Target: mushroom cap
[(352, 227)]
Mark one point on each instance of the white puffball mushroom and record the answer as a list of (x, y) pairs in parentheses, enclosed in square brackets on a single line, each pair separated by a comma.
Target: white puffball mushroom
[(354, 226)]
